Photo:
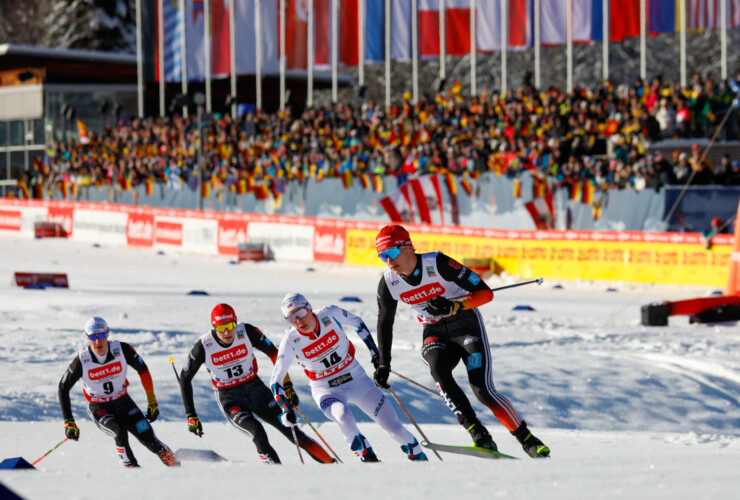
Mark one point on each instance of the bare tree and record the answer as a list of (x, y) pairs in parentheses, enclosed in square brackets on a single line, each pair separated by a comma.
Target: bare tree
[(23, 21)]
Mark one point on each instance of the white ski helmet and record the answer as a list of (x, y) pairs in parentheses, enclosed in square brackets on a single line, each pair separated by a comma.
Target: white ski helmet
[(293, 301), (96, 324)]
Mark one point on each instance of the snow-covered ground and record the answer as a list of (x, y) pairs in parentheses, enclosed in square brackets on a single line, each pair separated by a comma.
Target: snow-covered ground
[(628, 411)]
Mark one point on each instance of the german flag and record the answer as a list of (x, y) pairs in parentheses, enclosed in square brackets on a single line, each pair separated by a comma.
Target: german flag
[(576, 190), (378, 183), (23, 187), (465, 183), (205, 189), (347, 179), (241, 186), (365, 178), (149, 186), (451, 184), (518, 188), (261, 191)]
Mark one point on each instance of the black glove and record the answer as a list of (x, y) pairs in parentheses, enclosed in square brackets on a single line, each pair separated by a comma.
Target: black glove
[(381, 376), (194, 424), (71, 430), (375, 360), (290, 394), (152, 411), (440, 306)]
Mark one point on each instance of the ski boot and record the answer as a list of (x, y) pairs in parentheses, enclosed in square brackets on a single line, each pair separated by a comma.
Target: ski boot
[(363, 449), (168, 458), (414, 452), (531, 444), (481, 437)]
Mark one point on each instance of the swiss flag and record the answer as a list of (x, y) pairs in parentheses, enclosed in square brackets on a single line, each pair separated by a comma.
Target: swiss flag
[(457, 28), (541, 210)]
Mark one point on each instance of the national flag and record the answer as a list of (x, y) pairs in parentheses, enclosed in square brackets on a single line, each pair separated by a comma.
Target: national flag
[(241, 186), (517, 188), (174, 33), (149, 186), (126, 184), (261, 191), (451, 184), (465, 183), (398, 205), (587, 21), (706, 14), (541, 211), (401, 31), (82, 133), (24, 188), (596, 210), (457, 27), (452, 191), (662, 16), (73, 189), (205, 189), (374, 31), (378, 183), (365, 179), (347, 179), (624, 19), (519, 27), (589, 191), (428, 199), (576, 191)]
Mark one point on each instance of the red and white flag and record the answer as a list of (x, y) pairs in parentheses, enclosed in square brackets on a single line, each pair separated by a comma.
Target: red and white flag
[(542, 212), (457, 28), (428, 199), (398, 205)]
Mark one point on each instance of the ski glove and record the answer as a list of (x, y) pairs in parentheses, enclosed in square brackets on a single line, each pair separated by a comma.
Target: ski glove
[(194, 424), (290, 394), (287, 418), (381, 376), (152, 411), (71, 430), (440, 306), (375, 360)]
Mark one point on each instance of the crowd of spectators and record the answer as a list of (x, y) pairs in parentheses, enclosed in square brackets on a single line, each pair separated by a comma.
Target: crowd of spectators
[(599, 133)]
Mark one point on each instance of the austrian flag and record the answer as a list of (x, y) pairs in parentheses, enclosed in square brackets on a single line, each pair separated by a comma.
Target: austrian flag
[(541, 210), (428, 199)]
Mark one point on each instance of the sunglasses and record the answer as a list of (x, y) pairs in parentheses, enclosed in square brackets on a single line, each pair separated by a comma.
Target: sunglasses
[(98, 336), (300, 313), (392, 252), (225, 326)]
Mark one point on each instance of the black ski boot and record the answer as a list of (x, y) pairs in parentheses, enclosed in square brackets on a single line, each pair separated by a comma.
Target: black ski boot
[(481, 437), (531, 444)]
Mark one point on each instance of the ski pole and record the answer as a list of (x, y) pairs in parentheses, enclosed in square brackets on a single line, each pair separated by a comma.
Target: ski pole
[(412, 420), (295, 439), (172, 362), (317, 433), (415, 383), (55, 447), (538, 281)]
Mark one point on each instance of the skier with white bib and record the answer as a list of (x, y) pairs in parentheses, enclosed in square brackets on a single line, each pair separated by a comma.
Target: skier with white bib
[(317, 341), (102, 366), (445, 295), (227, 350)]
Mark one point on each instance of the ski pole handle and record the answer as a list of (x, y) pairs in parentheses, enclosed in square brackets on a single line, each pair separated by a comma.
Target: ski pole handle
[(538, 281)]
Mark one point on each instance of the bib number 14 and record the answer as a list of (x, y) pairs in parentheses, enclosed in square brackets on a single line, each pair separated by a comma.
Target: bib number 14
[(331, 360)]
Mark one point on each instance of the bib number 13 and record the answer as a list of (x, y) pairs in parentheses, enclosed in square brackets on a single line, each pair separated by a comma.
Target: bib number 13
[(235, 371)]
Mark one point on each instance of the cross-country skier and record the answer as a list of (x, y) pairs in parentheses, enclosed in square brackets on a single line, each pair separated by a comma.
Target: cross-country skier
[(102, 367), (318, 342), (227, 350), (445, 296)]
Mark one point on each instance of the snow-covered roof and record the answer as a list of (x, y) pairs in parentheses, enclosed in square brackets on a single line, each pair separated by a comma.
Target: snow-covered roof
[(10, 49)]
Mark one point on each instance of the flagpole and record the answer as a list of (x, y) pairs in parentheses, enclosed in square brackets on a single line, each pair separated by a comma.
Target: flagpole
[(258, 53), (442, 43), (723, 39), (160, 38), (387, 53), (473, 59), (310, 49), (139, 63), (643, 40), (334, 49), (605, 39), (569, 45), (282, 54), (232, 53), (682, 41), (184, 43), (207, 49), (537, 36), (361, 43), (414, 51), (504, 46)]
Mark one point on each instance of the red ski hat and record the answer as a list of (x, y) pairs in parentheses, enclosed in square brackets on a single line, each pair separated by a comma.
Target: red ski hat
[(392, 236), (222, 314)]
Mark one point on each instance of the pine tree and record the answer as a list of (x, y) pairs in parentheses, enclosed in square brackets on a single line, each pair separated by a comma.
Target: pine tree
[(105, 25)]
